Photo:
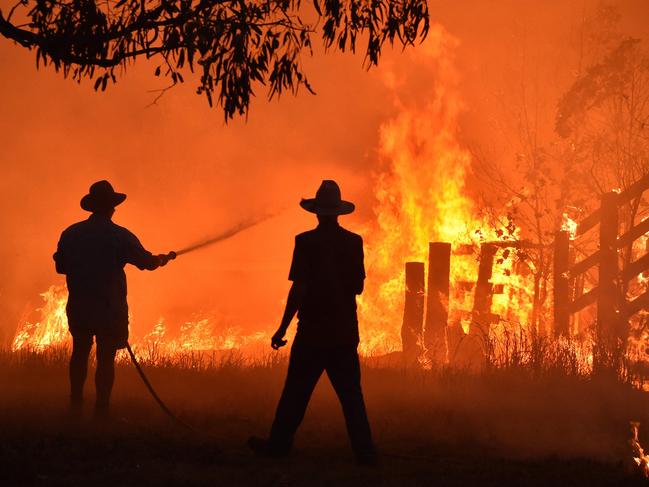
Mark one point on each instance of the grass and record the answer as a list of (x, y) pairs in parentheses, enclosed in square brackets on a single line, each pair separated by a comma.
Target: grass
[(504, 426)]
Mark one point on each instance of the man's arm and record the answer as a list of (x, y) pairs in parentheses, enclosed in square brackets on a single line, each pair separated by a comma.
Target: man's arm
[(137, 255), (297, 274), (293, 301)]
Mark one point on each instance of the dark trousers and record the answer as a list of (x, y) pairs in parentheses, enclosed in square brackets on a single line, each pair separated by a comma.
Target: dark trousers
[(306, 365), (104, 375)]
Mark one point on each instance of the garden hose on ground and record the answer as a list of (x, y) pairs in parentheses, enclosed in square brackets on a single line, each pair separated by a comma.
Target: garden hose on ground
[(153, 393)]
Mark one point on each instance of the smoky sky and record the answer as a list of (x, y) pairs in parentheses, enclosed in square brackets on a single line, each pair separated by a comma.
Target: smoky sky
[(189, 175)]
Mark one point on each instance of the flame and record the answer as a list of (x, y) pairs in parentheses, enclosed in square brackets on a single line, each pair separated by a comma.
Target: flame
[(569, 225), (638, 341), (421, 197), (52, 327), (640, 459), (51, 330)]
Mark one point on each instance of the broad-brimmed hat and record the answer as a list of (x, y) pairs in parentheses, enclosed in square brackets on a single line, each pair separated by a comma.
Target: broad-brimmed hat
[(101, 196), (328, 201)]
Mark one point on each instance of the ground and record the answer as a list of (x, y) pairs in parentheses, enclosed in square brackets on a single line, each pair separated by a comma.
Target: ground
[(497, 428)]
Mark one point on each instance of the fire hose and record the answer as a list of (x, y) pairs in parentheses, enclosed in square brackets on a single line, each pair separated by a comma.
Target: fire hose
[(170, 256), (186, 426), (153, 392)]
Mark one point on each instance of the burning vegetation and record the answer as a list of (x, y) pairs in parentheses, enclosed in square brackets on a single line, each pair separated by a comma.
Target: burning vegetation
[(484, 271), (421, 197), (456, 281)]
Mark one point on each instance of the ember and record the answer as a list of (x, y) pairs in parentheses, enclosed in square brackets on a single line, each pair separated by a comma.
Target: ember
[(639, 457)]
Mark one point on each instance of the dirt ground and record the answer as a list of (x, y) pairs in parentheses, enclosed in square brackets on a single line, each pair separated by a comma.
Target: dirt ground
[(433, 428)]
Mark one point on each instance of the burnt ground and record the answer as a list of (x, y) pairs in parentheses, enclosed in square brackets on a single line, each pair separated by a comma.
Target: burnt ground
[(499, 429)]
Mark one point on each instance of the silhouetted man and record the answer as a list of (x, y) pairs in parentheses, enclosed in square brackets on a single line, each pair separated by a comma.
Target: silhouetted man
[(327, 273), (92, 254)]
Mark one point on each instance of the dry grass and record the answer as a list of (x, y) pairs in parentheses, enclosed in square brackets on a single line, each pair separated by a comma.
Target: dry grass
[(505, 426)]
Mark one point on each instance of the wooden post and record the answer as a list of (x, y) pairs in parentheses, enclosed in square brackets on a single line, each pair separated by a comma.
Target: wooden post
[(577, 285), (413, 311), (482, 316), (561, 284), (608, 301), (439, 275)]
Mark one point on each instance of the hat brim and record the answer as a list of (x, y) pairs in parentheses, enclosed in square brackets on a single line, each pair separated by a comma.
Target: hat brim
[(312, 206), (92, 203)]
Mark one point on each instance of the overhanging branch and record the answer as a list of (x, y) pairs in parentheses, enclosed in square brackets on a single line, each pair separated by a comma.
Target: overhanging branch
[(23, 37)]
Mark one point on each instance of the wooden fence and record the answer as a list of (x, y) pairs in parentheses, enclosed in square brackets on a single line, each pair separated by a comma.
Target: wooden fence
[(613, 308), (426, 311)]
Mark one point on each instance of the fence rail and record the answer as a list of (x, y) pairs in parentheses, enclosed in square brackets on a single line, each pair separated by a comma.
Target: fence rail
[(426, 311), (612, 305)]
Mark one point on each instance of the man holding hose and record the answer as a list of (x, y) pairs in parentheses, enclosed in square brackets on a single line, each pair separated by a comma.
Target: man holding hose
[(92, 255), (327, 273)]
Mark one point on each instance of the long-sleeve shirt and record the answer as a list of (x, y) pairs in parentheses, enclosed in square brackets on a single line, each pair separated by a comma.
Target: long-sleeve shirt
[(92, 254)]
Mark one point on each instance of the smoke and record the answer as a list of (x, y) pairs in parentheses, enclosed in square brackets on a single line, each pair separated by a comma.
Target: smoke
[(186, 172)]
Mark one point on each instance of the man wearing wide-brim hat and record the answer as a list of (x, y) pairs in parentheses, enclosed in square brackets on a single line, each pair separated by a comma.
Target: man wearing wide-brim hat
[(327, 273), (92, 255)]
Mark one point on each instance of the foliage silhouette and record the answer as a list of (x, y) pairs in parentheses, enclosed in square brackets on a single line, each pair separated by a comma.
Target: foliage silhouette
[(233, 45)]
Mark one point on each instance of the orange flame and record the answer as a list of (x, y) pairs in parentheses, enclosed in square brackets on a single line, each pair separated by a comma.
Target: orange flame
[(640, 458), (421, 198), (51, 329)]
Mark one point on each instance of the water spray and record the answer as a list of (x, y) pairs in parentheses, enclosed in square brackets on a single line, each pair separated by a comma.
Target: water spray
[(229, 233), (225, 235)]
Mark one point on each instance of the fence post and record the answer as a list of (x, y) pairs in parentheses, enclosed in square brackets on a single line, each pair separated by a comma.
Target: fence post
[(483, 292), (439, 272), (413, 311), (561, 283), (608, 301)]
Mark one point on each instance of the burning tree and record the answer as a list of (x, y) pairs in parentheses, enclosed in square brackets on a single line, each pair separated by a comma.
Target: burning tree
[(235, 45), (597, 142), (604, 117)]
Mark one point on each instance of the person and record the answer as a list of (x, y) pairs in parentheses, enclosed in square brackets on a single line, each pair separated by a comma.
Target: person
[(92, 255), (327, 273)]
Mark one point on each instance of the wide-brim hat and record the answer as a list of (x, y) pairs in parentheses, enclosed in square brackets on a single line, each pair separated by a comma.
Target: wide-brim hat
[(328, 201), (101, 196)]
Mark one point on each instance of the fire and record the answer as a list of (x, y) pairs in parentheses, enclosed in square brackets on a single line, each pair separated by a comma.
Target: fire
[(51, 330), (640, 459), (638, 341), (52, 327), (421, 197), (569, 225), (200, 335)]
